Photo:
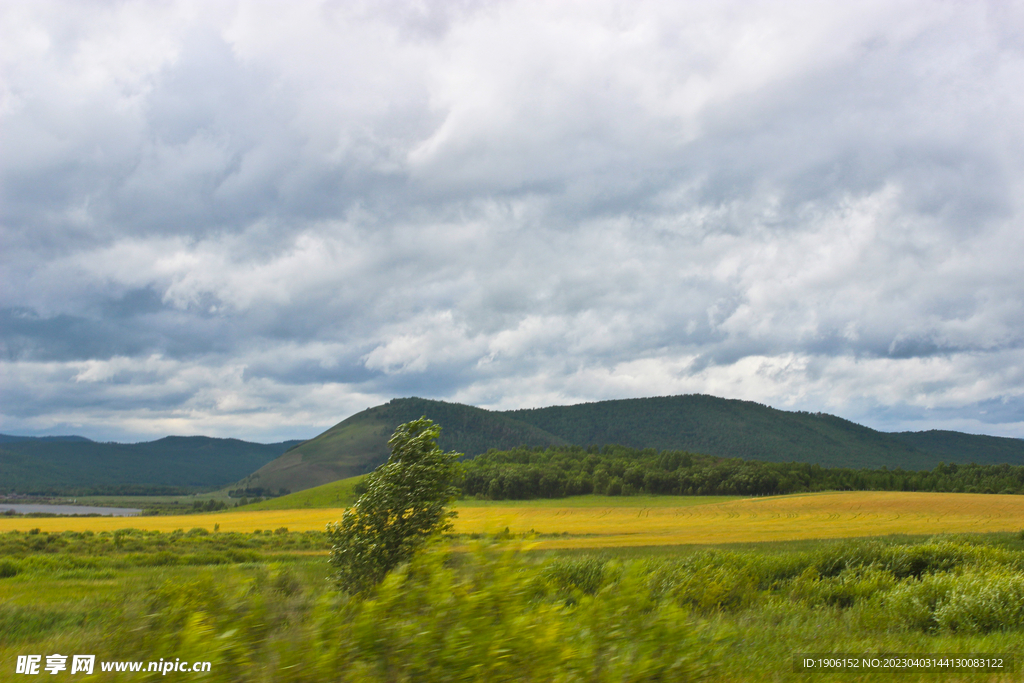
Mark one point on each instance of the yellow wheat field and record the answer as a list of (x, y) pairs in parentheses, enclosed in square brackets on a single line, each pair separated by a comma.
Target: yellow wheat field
[(824, 515), (786, 518)]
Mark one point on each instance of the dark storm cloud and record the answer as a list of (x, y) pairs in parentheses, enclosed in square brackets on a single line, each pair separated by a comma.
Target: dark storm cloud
[(26, 336), (237, 220)]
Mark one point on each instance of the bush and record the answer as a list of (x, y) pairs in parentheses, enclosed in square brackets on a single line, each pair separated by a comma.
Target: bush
[(9, 568), (983, 602), (848, 588), (571, 575), (706, 581)]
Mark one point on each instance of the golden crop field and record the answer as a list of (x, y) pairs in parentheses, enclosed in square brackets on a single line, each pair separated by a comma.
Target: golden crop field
[(783, 518), (823, 515)]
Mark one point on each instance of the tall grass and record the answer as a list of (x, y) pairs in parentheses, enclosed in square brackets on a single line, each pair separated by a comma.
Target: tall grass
[(496, 612)]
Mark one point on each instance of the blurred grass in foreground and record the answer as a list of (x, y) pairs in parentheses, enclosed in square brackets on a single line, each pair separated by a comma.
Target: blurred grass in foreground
[(498, 612)]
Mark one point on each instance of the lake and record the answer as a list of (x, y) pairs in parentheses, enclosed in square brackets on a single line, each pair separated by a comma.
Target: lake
[(70, 510)]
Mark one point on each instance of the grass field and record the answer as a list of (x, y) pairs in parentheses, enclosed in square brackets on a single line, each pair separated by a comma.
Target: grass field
[(492, 612), (337, 494), (342, 493), (784, 518), (631, 593), (678, 521), (592, 501)]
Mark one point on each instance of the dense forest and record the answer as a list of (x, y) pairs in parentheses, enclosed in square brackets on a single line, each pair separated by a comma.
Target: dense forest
[(733, 429), (556, 472)]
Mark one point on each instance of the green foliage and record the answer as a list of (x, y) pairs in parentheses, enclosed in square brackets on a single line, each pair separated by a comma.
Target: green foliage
[(527, 473), (71, 552), (406, 502), (477, 616), (843, 590), (19, 624), (210, 505), (571, 575), (707, 581), (8, 568), (972, 600), (496, 613)]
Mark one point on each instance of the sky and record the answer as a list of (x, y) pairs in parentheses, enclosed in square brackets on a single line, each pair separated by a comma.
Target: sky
[(254, 219)]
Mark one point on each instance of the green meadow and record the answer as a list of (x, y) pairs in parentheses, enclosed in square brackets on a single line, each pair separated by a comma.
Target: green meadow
[(343, 493), (259, 607), (336, 494)]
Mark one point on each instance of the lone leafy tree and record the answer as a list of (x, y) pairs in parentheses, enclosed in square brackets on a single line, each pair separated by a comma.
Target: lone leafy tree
[(405, 503)]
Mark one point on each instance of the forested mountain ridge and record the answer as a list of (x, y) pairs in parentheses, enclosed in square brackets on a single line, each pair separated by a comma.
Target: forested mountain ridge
[(358, 444), (702, 424), (78, 466), (8, 438), (960, 447), (731, 429)]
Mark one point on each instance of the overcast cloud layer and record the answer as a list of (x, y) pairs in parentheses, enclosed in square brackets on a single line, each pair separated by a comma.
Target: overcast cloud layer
[(253, 219)]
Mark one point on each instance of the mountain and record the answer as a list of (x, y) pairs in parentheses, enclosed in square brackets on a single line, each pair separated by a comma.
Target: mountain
[(76, 466), (959, 447), (695, 423), (728, 428), (8, 438), (359, 444)]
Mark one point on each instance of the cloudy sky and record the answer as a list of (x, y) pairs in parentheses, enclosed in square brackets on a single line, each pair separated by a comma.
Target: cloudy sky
[(254, 219)]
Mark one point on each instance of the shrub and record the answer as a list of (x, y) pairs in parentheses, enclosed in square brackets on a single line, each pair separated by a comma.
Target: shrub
[(568, 575), (706, 581), (9, 568), (845, 590), (982, 602)]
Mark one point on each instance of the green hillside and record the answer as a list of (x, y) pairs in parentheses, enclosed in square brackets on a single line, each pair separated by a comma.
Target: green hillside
[(695, 423), (336, 494), (963, 448), (359, 444), (77, 466), (699, 424), (729, 428)]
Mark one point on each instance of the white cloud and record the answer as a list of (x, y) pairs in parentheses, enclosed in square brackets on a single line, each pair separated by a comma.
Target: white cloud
[(228, 213)]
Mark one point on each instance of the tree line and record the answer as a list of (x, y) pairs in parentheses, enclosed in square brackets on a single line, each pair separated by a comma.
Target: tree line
[(556, 472)]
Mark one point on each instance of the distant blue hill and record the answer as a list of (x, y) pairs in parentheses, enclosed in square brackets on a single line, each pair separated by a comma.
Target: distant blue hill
[(8, 438), (74, 465)]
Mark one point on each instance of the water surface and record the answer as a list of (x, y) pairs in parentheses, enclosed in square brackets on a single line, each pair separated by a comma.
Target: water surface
[(70, 510)]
